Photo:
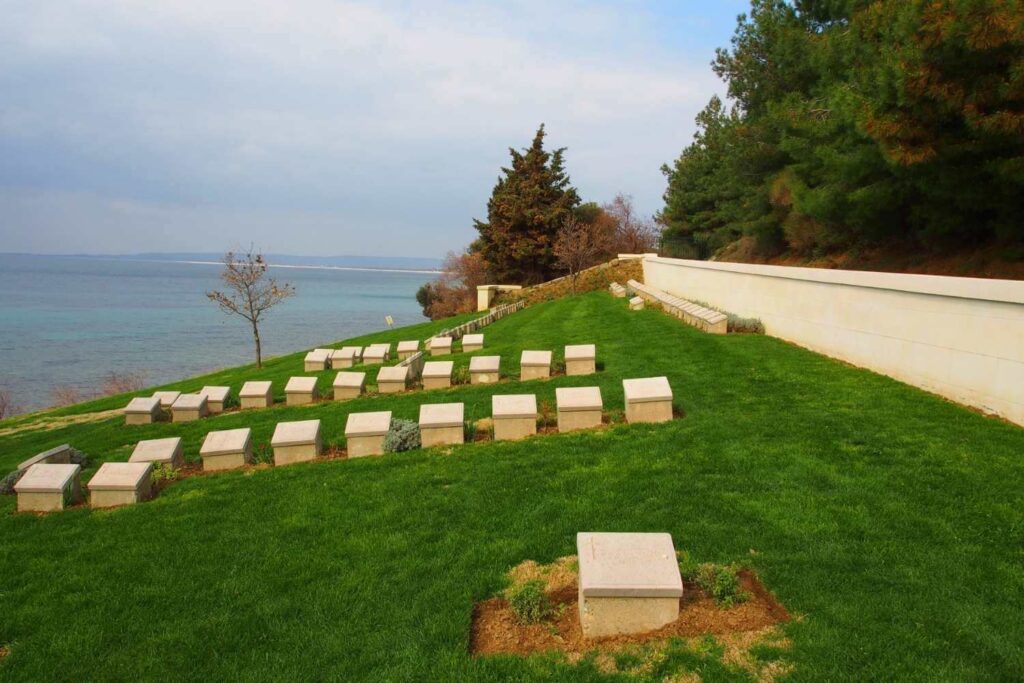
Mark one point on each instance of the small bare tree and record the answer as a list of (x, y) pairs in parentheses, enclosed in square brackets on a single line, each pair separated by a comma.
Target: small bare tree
[(7, 407), (65, 395), (634, 234), (578, 245), (122, 382), (248, 294)]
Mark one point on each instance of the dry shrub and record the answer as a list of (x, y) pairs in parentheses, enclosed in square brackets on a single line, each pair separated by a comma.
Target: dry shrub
[(122, 383), (65, 395), (455, 291), (7, 405)]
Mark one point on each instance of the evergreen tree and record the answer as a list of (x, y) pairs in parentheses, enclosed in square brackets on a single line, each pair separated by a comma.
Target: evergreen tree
[(531, 201), (858, 123)]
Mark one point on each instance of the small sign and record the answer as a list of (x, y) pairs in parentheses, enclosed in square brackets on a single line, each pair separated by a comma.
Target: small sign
[(389, 320)]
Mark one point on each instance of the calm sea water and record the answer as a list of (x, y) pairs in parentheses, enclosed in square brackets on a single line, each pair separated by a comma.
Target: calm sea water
[(70, 321)]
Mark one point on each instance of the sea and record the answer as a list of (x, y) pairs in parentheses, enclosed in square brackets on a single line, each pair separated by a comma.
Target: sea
[(70, 321)]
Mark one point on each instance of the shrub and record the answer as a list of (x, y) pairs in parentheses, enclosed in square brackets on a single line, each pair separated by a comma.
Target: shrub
[(745, 325), (122, 382), (529, 602), (721, 582), (460, 375), (403, 435), (8, 482), (164, 473)]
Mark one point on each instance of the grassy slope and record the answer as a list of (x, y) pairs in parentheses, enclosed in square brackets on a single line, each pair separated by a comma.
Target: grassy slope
[(889, 519)]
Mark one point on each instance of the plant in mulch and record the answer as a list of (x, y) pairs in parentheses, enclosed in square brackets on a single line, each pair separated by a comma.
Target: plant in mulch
[(547, 414), (460, 375), (403, 435), (262, 453), (529, 602), (164, 473), (721, 582)]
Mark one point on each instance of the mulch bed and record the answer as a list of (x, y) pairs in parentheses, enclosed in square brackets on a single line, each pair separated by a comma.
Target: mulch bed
[(496, 630)]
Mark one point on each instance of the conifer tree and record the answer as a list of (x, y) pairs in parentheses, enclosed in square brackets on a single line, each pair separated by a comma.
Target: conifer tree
[(530, 203)]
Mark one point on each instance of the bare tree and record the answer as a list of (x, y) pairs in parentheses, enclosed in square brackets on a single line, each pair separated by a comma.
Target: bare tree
[(578, 245), (248, 294), (634, 234), (7, 407), (122, 382), (65, 395)]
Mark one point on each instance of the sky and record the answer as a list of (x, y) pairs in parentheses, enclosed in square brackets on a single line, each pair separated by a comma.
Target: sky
[(324, 127)]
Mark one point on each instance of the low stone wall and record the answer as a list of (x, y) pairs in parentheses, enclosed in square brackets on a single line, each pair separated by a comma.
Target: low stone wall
[(594, 278), (962, 338)]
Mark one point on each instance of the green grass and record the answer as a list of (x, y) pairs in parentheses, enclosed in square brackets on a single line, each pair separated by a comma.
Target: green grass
[(890, 521)]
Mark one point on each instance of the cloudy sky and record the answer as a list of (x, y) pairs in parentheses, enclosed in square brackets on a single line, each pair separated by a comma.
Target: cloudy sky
[(328, 127)]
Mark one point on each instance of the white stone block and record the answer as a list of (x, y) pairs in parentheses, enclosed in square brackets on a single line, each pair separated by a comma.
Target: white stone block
[(189, 407), (648, 399), (142, 410), (441, 424), (365, 433), (437, 374), (393, 379), (628, 582), (257, 394), (47, 487), (580, 359), (472, 342), (168, 452), (296, 442), (317, 360), (301, 391), (578, 408), (484, 369), (440, 346), (227, 449), (348, 385), (535, 365), (120, 483), (514, 416), (216, 398)]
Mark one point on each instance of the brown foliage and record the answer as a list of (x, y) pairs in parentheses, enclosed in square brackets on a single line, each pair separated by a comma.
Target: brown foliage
[(633, 233), (248, 294), (7, 405), (579, 245), (455, 291), (122, 383), (65, 395)]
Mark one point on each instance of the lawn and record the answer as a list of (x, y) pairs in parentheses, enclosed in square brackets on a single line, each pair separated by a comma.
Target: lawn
[(888, 521)]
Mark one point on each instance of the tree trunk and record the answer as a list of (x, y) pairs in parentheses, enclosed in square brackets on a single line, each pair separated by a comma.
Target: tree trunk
[(256, 336)]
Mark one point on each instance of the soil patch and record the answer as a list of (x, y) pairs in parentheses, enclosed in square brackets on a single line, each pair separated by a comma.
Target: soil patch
[(496, 630)]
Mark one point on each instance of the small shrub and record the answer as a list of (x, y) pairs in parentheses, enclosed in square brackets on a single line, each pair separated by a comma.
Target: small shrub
[(122, 382), (163, 473), (547, 414), (529, 602), (460, 375), (262, 453), (403, 435), (687, 566), (721, 582), (469, 432), (745, 325), (8, 482)]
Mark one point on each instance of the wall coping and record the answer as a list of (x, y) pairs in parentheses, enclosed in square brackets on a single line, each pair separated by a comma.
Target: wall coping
[(1005, 291)]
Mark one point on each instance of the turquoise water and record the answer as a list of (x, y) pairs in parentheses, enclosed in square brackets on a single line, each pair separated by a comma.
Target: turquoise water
[(70, 321)]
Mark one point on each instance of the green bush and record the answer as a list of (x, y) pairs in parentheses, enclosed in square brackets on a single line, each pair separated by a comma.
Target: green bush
[(460, 375), (721, 582), (529, 602), (164, 473), (404, 435)]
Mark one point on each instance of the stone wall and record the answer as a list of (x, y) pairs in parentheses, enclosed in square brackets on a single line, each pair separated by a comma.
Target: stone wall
[(962, 338), (597, 277)]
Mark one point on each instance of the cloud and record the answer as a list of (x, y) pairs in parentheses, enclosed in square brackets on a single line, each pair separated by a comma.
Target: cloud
[(381, 119)]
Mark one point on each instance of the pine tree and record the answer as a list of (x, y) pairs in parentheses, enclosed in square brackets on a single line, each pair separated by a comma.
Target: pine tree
[(530, 203)]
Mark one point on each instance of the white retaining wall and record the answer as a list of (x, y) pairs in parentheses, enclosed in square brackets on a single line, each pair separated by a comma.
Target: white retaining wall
[(962, 338)]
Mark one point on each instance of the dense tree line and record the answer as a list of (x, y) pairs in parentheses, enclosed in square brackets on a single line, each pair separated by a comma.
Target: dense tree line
[(858, 123)]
